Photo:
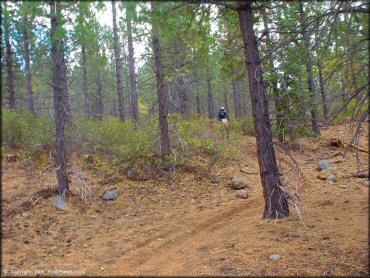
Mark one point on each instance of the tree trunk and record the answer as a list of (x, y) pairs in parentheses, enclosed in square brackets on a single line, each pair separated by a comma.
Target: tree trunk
[(28, 68), (121, 100), (180, 81), (100, 103), (9, 62), (323, 96), (197, 98), (86, 84), (276, 204), (133, 85), (59, 100), (211, 109), (311, 84), (162, 95), (225, 100), (236, 94)]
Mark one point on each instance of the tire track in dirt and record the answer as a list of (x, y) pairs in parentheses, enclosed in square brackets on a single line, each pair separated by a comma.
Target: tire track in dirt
[(152, 255)]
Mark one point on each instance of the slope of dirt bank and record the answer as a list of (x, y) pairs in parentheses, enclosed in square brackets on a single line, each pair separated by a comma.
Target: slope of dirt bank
[(188, 225)]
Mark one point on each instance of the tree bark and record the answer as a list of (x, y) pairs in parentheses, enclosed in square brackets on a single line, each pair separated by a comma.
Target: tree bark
[(59, 83), (133, 84), (197, 99), (28, 67), (276, 204), (311, 84), (211, 109), (121, 100), (86, 84), (9, 61), (225, 100), (100, 104), (323, 97), (180, 82), (162, 95), (238, 101)]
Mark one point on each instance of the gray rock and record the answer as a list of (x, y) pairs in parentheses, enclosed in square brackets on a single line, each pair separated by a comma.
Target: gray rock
[(241, 193), (237, 183), (215, 181), (324, 164), (144, 192), (275, 257), (110, 195), (331, 178), (60, 204)]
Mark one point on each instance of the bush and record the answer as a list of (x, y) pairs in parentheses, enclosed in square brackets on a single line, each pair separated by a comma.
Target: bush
[(21, 129), (244, 126)]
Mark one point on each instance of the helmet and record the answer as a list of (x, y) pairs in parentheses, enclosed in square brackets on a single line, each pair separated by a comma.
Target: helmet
[(222, 108)]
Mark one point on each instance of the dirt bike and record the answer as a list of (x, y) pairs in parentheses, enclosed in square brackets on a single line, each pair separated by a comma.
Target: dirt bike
[(226, 128)]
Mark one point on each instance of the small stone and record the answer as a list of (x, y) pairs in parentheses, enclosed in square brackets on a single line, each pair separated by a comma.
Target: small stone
[(323, 175), (324, 164), (60, 204), (144, 192), (25, 215), (241, 193), (110, 195), (275, 257), (215, 181), (330, 182), (346, 201), (330, 178), (237, 183)]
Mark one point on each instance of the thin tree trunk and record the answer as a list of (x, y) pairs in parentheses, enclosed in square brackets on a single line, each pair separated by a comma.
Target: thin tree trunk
[(59, 100), (197, 98), (85, 82), (121, 100), (235, 93), (311, 84), (100, 103), (276, 204), (180, 82), (162, 95), (225, 100), (211, 110), (28, 68), (323, 96), (133, 84), (9, 61)]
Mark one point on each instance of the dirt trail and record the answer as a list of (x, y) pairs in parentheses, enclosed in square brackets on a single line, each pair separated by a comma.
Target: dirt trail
[(190, 226)]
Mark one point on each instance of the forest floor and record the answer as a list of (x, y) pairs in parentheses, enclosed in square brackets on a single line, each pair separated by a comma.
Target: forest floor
[(187, 224)]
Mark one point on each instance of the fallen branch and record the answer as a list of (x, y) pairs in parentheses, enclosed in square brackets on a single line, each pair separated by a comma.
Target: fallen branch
[(356, 147)]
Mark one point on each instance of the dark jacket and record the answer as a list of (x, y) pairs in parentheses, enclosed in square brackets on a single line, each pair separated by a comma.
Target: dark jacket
[(222, 115)]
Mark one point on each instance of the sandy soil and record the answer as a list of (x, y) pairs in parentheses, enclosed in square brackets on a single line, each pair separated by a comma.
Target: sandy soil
[(187, 225)]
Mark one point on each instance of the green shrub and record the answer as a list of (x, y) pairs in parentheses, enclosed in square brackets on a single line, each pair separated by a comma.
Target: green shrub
[(21, 129), (244, 126)]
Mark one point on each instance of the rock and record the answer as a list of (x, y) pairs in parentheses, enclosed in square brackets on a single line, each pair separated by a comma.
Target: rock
[(60, 204), (330, 182), (237, 183), (324, 164), (323, 175), (111, 195), (241, 193), (275, 257), (215, 181), (144, 192), (25, 215), (330, 178)]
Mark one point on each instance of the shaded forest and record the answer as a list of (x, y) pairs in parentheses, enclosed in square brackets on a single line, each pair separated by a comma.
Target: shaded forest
[(99, 94)]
